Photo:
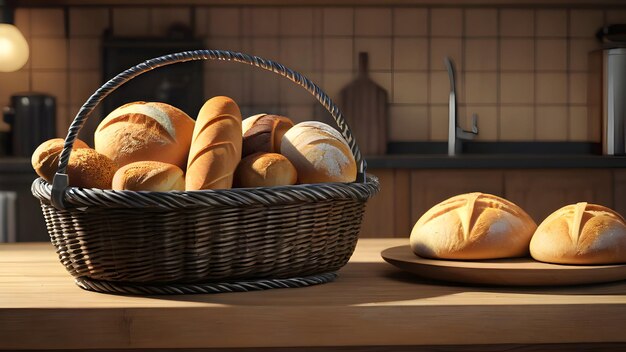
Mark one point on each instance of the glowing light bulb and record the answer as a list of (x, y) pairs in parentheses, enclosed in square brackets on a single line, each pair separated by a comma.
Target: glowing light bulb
[(13, 48)]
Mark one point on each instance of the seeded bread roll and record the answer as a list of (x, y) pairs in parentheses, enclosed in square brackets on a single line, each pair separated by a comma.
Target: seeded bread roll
[(145, 131), (216, 147), (149, 176), (319, 153), (263, 133), (473, 226), (89, 169), (265, 170), (45, 159), (581, 233)]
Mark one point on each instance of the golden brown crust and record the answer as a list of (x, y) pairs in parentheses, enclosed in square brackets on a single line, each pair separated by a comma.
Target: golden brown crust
[(45, 159), (89, 169), (265, 170), (149, 176), (145, 131), (581, 233), (264, 133), (473, 226), (216, 145)]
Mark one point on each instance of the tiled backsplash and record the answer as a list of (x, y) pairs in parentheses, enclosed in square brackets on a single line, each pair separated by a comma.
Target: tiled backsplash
[(522, 70)]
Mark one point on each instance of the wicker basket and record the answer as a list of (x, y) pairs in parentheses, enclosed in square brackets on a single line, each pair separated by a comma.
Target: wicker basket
[(204, 241)]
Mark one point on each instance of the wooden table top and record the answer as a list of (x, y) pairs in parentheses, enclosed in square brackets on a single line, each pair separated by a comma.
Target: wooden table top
[(371, 303)]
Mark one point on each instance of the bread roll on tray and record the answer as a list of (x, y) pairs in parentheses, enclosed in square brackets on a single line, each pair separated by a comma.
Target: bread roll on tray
[(149, 176), (216, 146), (473, 226), (145, 131), (581, 233), (265, 170), (263, 133), (319, 153), (45, 159)]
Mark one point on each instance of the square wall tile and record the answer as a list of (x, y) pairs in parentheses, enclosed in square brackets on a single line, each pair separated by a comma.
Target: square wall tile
[(164, 18), (410, 54), (291, 93), (201, 21), (551, 88), (53, 83), (296, 21), (410, 22), (338, 21), (297, 53), (267, 48), (338, 54), (551, 23), (517, 23), (13, 82), (551, 123), (578, 88), (378, 49), (48, 23), (260, 21), (517, 123), (481, 23), (411, 88), (48, 53), (481, 88), (446, 22), (131, 21), (82, 85), (224, 22), (442, 47), (226, 83), (551, 54), (372, 21), (481, 55), (300, 113), (408, 123), (487, 121), (517, 88), (334, 82), (438, 123), (615, 16), (85, 54), (585, 23), (265, 89), (517, 54), (578, 120), (579, 51), (21, 19), (440, 87), (88, 22)]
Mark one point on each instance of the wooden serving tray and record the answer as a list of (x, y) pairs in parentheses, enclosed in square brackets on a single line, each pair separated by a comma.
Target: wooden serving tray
[(502, 272)]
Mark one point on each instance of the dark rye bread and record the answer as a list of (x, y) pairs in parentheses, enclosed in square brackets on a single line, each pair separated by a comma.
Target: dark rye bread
[(263, 133)]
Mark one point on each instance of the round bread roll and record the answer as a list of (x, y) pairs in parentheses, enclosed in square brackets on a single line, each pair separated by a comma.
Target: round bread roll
[(265, 170), (319, 153), (149, 176), (581, 233), (45, 159), (145, 131), (473, 226), (89, 169), (263, 133)]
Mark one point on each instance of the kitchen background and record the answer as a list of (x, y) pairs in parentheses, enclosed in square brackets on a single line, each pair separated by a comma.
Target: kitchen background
[(522, 70)]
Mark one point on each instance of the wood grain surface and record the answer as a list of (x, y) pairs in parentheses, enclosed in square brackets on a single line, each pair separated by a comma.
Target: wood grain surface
[(371, 304)]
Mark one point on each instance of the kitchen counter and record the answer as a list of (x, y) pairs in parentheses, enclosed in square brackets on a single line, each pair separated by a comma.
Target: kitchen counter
[(370, 304)]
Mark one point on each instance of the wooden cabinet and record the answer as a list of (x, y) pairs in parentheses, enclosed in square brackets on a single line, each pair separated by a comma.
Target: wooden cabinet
[(388, 213)]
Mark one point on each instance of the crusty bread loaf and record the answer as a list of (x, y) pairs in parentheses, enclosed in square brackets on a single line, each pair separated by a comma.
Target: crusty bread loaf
[(216, 145), (149, 176), (265, 170), (145, 131), (319, 153), (45, 159), (263, 133), (473, 226), (581, 233), (89, 169)]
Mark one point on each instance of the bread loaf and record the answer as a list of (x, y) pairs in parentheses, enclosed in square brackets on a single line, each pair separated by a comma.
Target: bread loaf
[(145, 131), (149, 176), (263, 133), (319, 153), (581, 233), (265, 170), (45, 159), (473, 226), (216, 145), (89, 169)]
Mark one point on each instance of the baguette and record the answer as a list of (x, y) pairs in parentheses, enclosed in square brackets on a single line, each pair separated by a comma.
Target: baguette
[(215, 146)]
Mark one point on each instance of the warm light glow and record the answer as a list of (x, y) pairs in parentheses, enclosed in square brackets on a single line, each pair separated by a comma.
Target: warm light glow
[(13, 48)]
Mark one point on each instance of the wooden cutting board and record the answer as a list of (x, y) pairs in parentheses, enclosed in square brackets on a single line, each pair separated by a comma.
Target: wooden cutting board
[(364, 106)]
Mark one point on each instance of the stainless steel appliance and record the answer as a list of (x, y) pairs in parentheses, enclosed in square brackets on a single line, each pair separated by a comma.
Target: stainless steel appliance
[(32, 118)]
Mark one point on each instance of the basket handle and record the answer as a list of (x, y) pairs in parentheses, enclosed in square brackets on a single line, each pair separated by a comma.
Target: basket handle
[(61, 180)]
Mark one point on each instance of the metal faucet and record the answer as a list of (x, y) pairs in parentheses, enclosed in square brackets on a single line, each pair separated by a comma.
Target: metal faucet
[(455, 133)]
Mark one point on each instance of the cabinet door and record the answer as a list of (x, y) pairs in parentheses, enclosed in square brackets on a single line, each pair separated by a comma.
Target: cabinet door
[(430, 187), (541, 192), (387, 214)]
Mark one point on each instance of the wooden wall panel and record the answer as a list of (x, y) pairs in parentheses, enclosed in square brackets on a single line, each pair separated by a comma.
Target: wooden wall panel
[(387, 214)]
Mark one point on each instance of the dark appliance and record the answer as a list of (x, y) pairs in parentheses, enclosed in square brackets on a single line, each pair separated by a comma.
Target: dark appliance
[(32, 117)]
